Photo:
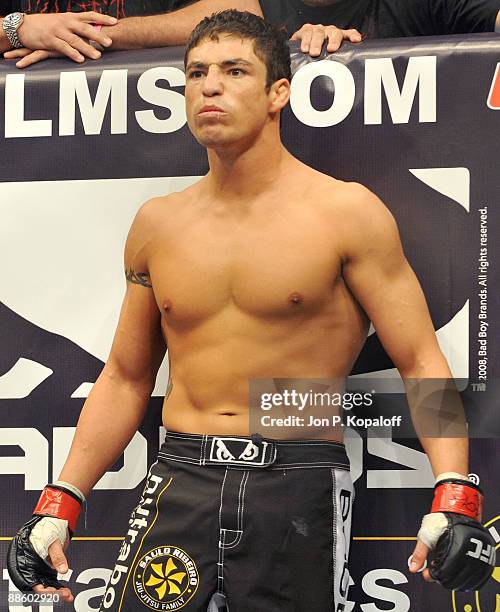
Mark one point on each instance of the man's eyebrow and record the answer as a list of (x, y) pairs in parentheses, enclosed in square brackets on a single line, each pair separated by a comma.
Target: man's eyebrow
[(229, 62), (237, 60)]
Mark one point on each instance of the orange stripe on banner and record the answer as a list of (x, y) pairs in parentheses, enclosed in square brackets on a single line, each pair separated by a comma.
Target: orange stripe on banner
[(494, 95)]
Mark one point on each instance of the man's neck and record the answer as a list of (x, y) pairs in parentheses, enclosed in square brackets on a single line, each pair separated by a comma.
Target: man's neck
[(245, 174)]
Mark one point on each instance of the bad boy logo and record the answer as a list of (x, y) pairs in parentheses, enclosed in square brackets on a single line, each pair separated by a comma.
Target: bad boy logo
[(166, 578), (250, 452), (236, 450)]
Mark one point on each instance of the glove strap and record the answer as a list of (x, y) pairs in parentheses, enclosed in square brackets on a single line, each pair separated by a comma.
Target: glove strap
[(460, 497), (60, 503)]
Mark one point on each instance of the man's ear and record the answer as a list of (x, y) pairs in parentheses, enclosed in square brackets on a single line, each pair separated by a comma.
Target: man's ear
[(279, 95)]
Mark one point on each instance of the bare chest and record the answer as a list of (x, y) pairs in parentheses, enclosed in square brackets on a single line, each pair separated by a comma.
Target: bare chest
[(272, 269)]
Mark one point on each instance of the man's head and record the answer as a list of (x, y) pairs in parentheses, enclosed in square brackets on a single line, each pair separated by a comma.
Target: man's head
[(269, 44), (237, 77)]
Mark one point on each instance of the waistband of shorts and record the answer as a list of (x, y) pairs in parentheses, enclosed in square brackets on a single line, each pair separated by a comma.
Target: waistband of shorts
[(252, 452)]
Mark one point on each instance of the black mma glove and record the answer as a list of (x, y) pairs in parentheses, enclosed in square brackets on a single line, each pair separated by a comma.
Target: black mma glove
[(55, 517), (464, 551)]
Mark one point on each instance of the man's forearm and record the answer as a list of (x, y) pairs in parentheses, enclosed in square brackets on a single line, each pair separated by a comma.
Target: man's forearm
[(438, 415), (447, 454), (109, 419), (170, 29)]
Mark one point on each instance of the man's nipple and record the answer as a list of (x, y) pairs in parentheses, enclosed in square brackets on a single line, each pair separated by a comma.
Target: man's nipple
[(167, 305), (295, 298)]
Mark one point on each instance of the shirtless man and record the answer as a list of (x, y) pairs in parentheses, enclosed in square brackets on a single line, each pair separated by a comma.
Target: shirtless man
[(263, 269)]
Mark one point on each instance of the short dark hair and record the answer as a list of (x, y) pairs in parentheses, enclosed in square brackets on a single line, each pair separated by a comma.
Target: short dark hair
[(270, 43)]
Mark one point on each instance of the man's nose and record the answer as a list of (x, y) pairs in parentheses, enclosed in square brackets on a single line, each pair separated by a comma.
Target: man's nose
[(212, 84)]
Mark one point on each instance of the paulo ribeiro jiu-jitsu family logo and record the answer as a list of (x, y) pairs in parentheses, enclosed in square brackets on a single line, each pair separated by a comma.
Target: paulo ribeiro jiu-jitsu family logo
[(166, 578)]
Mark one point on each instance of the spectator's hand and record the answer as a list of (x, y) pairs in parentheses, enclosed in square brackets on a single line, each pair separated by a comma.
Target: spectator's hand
[(65, 33), (312, 38), (29, 57)]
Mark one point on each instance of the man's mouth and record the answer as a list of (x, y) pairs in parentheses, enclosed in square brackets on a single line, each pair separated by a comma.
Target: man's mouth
[(210, 109)]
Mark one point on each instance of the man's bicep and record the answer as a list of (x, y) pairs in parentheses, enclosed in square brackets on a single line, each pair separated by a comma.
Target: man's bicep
[(383, 282), (138, 345), (396, 306)]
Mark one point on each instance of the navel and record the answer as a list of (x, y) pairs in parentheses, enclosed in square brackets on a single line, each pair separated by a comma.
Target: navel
[(295, 298)]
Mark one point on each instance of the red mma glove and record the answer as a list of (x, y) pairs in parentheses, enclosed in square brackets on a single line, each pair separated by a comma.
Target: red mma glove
[(464, 551), (55, 517)]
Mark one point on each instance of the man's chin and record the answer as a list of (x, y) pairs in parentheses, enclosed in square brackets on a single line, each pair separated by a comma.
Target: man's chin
[(214, 141)]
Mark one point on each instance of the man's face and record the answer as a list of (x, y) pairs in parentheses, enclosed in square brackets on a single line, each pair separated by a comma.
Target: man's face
[(226, 98)]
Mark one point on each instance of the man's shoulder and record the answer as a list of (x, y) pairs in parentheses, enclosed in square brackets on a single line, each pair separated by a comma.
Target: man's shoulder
[(352, 210), (163, 208), (153, 207), (356, 198), (343, 190), (342, 197)]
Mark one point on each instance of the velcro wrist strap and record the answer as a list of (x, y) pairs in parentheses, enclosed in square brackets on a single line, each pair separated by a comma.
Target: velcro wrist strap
[(459, 497), (54, 501)]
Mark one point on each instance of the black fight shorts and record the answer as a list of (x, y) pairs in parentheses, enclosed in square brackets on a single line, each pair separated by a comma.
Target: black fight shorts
[(239, 523)]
